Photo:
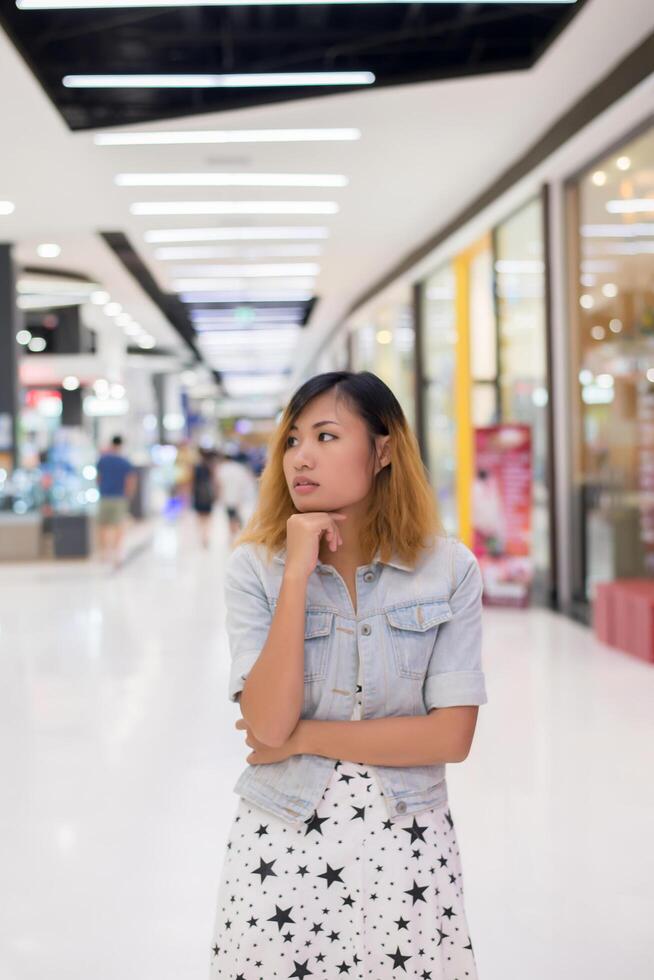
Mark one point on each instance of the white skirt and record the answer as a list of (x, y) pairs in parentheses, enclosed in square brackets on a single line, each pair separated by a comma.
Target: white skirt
[(348, 893)]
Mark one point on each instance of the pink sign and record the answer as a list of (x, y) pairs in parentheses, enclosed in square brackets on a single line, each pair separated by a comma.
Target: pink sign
[(501, 512)]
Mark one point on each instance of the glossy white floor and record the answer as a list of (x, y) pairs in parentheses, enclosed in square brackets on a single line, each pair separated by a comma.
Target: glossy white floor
[(118, 756)]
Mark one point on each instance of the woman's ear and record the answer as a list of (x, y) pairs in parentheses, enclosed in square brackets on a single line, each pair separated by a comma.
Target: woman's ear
[(384, 451)]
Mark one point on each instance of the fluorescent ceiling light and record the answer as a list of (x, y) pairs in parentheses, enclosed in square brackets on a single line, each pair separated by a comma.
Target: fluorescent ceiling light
[(106, 4), (254, 80), (48, 250), (633, 206), (234, 207), (167, 138), (7, 207), (182, 253), (242, 283), (285, 269), (231, 180), (247, 296), (233, 234), (286, 337), (643, 229)]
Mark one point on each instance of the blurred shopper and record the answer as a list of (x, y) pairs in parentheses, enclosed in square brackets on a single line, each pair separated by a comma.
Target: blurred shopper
[(204, 493), (238, 490), (117, 485)]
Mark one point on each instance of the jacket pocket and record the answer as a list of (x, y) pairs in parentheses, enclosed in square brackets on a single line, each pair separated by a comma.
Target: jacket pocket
[(317, 633), (412, 628)]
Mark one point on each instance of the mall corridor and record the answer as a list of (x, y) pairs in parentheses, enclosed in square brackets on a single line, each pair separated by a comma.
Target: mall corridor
[(119, 753)]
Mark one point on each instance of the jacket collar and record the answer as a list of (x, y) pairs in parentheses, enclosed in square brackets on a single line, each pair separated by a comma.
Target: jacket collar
[(395, 560)]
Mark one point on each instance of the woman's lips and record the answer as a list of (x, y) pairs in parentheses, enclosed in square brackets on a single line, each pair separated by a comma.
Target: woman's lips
[(305, 487)]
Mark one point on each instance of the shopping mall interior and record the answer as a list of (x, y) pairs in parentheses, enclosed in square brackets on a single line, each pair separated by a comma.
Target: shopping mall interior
[(204, 204)]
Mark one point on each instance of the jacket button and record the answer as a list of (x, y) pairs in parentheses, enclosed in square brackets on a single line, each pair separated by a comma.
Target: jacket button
[(401, 807), (369, 577), (365, 629)]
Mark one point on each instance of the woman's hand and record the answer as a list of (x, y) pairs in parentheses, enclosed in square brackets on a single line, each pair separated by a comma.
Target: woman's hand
[(263, 754), (304, 532)]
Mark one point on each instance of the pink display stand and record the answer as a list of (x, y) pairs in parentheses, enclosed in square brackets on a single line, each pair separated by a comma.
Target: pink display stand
[(623, 616)]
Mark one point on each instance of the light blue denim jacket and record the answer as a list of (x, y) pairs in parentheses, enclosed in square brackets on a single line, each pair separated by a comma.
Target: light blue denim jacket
[(417, 633)]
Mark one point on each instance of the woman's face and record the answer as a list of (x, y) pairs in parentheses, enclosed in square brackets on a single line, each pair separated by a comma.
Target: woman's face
[(330, 446)]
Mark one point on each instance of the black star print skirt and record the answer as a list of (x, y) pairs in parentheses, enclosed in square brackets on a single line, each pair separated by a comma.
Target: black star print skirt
[(349, 893)]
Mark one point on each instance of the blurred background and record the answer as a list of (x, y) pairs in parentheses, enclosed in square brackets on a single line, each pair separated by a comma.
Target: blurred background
[(201, 206)]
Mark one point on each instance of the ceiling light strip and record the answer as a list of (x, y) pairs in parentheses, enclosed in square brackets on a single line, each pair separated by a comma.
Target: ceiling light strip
[(301, 79), (208, 136)]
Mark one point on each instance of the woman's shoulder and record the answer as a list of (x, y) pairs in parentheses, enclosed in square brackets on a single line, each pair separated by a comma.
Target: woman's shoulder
[(450, 556)]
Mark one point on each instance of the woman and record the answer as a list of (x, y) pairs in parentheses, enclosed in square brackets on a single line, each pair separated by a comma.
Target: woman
[(342, 858), (204, 493)]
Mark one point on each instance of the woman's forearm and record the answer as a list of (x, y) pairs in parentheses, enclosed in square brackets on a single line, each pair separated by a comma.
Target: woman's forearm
[(273, 694), (430, 739)]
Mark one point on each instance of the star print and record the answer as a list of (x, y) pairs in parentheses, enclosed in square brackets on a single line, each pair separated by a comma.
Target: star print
[(343, 967), (345, 779), (282, 916), (265, 869), (240, 976), (356, 959), (366, 775), (448, 911), (416, 831), (401, 923), (314, 823), (415, 854), (215, 950), (331, 875), (302, 870), (388, 824), (290, 850), (262, 830), (360, 812), (252, 921), (443, 862), (333, 936), (316, 928), (425, 975), (441, 935), (469, 946), (448, 817), (452, 879), (416, 893), (301, 970), (398, 959), (320, 957), (288, 936), (348, 901), (228, 924)]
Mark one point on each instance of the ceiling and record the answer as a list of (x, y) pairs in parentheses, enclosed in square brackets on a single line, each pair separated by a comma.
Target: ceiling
[(424, 151)]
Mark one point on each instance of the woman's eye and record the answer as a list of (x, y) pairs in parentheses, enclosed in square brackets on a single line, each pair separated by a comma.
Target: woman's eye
[(330, 434)]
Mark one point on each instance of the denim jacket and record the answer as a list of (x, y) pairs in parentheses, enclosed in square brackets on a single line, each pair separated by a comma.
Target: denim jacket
[(417, 633)]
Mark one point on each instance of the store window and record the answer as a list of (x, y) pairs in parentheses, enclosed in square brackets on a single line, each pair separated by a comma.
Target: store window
[(613, 354)]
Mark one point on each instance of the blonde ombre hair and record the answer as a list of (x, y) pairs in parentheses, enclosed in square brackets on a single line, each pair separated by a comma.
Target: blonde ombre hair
[(402, 518)]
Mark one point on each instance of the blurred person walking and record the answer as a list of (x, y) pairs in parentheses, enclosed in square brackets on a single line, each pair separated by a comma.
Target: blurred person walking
[(204, 493), (117, 485), (237, 488)]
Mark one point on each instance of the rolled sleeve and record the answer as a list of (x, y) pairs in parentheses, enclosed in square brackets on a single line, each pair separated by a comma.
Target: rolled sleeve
[(454, 673), (247, 619)]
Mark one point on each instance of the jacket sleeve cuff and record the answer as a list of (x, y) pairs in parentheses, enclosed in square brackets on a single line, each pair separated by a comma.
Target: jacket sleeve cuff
[(455, 687), (239, 670)]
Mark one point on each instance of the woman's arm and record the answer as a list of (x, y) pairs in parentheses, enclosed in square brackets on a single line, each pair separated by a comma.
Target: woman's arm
[(444, 735)]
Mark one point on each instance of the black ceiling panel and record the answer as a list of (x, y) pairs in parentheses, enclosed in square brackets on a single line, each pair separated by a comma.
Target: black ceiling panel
[(400, 43)]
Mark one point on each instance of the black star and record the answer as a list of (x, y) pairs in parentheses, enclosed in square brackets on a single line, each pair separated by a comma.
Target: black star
[(356, 959), (398, 959), (447, 911), (343, 967), (416, 892), (302, 870), (416, 831), (402, 923), (443, 862), (281, 916), (215, 950), (425, 975), (262, 830), (366, 775), (240, 976), (348, 900), (316, 927), (452, 879), (448, 817), (301, 970), (441, 936), (359, 689), (360, 812), (388, 824), (228, 924), (333, 936), (314, 823), (415, 854), (469, 946), (252, 921), (331, 875), (265, 869), (345, 779), (290, 850), (288, 936), (320, 957)]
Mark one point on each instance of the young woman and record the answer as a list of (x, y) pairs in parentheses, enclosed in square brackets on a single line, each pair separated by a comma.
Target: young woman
[(355, 634), (203, 488)]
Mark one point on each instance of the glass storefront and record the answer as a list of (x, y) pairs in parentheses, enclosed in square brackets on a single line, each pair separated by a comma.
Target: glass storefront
[(383, 341), (612, 352)]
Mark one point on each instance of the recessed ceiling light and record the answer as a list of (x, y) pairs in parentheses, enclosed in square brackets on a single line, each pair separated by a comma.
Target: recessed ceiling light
[(48, 250), (233, 207), (146, 342), (37, 344), (610, 290), (166, 138), (228, 234), (100, 297), (7, 207), (599, 178), (301, 79), (230, 180), (623, 163), (23, 337), (70, 383), (587, 301)]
